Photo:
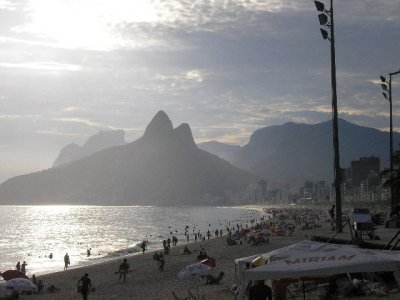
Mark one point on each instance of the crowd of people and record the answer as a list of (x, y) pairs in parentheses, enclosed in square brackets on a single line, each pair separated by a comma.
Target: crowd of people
[(84, 285)]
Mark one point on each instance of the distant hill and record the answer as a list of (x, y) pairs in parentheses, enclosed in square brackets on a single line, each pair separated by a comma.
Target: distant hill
[(291, 153), (223, 151), (98, 142), (164, 167)]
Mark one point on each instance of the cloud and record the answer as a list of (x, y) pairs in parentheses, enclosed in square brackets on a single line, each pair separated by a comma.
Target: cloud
[(7, 5), (226, 67), (86, 122), (76, 109), (43, 66), (59, 133), (19, 117)]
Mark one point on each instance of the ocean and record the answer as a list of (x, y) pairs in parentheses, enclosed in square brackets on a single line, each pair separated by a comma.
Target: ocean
[(31, 233)]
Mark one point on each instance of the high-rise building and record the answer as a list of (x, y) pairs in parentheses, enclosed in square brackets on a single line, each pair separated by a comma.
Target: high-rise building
[(362, 169)]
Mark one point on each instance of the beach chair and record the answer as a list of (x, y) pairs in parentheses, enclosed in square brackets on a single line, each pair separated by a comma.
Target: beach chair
[(362, 222)]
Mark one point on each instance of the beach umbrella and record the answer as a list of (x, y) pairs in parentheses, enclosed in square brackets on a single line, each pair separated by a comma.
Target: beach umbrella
[(209, 262), (11, 274), (20, 285), (194, 270)]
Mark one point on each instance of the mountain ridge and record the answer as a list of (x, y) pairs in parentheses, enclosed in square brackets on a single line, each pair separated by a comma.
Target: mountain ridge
[(163, 167), (101, 140), (293, 153)]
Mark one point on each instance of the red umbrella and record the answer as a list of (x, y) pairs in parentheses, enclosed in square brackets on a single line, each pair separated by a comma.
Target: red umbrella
[(209, 262), (11, 274)]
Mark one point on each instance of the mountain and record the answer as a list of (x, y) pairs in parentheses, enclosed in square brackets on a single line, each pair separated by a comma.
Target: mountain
[(163, 167), (292, 153), (223, 151), (98, 142)]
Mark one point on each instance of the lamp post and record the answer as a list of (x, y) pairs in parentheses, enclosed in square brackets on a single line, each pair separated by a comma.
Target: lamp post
[(327, 22), (387, 93)]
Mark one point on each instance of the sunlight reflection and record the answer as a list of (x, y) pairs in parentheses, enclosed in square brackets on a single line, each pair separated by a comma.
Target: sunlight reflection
[(52, 209)]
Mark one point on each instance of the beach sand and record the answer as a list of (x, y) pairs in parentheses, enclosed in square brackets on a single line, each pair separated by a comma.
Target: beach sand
[(147, 282)]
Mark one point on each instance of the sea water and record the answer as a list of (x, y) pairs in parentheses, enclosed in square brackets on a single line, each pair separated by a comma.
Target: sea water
[(31, 233)]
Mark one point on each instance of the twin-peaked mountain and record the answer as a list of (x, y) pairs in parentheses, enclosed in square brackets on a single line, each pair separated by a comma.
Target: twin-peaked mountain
[(163, 167), (166, 167)]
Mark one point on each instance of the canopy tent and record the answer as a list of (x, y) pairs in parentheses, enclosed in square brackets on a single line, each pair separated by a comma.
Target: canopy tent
[(278, 254), (321, 259)]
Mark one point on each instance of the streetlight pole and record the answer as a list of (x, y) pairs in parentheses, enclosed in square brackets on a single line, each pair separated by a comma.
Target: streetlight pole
[(387, 87), (329, 24)]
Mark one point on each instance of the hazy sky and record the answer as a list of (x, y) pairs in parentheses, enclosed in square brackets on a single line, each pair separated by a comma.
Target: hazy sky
[(70, 68)]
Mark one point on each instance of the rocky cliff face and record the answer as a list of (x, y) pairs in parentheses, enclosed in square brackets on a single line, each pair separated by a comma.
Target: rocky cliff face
[(163, 167)]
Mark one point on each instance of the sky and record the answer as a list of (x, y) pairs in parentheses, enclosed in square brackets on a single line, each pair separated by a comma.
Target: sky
[(70, 68)]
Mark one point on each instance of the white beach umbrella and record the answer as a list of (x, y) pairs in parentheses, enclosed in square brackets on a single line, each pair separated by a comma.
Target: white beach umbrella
[(20, 285), (194, 270)]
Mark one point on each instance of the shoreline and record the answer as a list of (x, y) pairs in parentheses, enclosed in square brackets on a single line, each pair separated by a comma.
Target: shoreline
[(147, 282), (123, 232)]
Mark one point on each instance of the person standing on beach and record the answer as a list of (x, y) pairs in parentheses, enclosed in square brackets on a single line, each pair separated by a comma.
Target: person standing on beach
[(66, 261), (23, 267), (143, 246), (85, 284), (332, 215), (18, 266), (123, 269), (260, 291)]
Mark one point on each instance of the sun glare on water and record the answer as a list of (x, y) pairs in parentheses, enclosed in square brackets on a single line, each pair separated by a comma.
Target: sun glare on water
[(85, 24), (52, 209)]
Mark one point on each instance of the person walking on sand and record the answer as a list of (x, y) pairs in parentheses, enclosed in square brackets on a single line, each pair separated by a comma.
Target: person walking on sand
[(84, 284), (66, 261), (123, 269), (143, 246)]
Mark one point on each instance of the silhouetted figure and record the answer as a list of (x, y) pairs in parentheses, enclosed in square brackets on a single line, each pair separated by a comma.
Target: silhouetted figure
[(52, 288), (186, 250), (162, 263), (88, 252), (66, 261), (143, 246), (23, 267), (18, 266), (260, 291), (84, 285), (332, 216), (210, 279), (123, 269)]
